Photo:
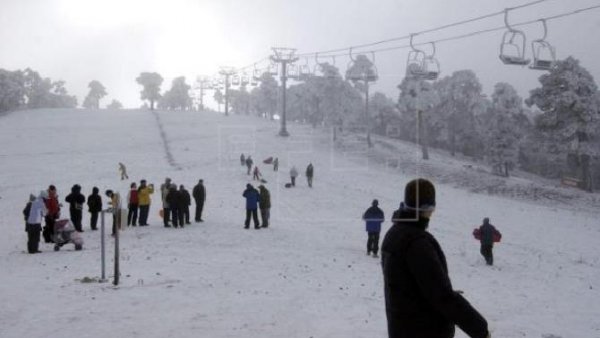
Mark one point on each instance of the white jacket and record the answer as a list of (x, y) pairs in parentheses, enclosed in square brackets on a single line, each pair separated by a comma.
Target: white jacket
[(37, 211)]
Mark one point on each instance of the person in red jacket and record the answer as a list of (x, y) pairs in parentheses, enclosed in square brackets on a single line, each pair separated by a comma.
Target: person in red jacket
[(132, 205), (487, 234), (52, 214)]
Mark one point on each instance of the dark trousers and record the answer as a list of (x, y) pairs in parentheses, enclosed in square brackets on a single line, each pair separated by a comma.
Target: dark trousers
[(309, 179), (132, 215), (94, 220), (175, 217), (486, 252), (76, 217), (49, 229), (265, 214), (144, 209), (293, 181), (199, 208), (166, 215), (33, 240), (373, 243), (254, 214), (185, 215)]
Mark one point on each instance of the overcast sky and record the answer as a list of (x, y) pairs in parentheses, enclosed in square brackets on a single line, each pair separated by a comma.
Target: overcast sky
[(112, 41)]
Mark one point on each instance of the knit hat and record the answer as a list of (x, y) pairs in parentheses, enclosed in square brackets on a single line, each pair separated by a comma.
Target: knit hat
[(44, 194), (419, 195), (31, 198), (486, 220), (375, 203)]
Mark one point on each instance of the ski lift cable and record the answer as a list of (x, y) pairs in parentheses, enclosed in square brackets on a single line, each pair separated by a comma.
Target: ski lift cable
[(475, 33), (405, 37)]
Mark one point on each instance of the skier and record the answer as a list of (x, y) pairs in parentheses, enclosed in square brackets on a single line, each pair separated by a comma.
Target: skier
[(419, 298), (276, 164), (243, 159), (76, 200), (35, 214), (487, 234), (199, 194), (373, 218), (52, 214), (123, 171), (264, 201), (144, 201), (293, 175), (94, 202), (309, 174), (257, 174), (252, 198), (184, 205), (164, 190), (249, 163), (132, 204)]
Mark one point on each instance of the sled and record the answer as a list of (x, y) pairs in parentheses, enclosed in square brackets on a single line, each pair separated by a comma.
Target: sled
[(262, 180), (268, 160), (496, 237)]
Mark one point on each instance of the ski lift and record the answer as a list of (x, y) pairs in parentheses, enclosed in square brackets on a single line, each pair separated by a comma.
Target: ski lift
[(293, 72), (256, 73), (511, 53), (544, 54), (420, 65), (304, 71), (367, 70), (235, 80), (244, 79), (273, 69), (322, 71)]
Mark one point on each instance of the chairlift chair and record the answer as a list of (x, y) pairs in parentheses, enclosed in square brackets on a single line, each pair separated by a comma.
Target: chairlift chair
[(273, 69), (293, 72), (304, 71), (366, 72), (235, 80), (544, 54), (512, 53), (244, 79)]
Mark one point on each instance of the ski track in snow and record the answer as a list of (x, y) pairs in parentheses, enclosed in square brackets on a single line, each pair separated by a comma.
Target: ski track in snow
[(305, 276)]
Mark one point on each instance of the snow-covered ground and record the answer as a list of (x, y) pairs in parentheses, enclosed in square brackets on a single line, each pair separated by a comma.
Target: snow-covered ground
[(305, 276)]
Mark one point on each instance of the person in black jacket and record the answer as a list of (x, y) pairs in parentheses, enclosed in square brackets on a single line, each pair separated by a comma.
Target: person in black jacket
[(199, 194), (488, 234), (184, 205), (419, 299), (94, 203), (172, 199), (373, 218), (76, 200)]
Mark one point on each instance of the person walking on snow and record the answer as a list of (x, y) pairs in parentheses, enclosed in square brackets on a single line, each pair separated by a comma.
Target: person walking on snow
[(264, 201), (373, 218), (37, 212), (199, 194), (76, 201), (309, 174), (252, 198), (487, 234), (94, 202), (276, 164), (123, 171), (419, 298), (293, 175), (132, 204), (256, 173), (144, 201), (249, 163), (243, 159)]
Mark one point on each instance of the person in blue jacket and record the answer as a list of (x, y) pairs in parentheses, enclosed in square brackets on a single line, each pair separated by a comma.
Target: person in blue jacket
[(252, 197), (373, 218)]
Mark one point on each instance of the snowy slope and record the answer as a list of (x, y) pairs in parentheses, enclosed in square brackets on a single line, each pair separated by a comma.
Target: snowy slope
[(306, 276)]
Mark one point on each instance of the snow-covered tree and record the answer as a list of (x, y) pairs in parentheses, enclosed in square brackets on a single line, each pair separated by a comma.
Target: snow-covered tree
[(114, 105), (569, 101), (151, 83), (97, 92), (178, 97), (240, 100), (266, 96), (219, 98), (383, 110), (12, 90)]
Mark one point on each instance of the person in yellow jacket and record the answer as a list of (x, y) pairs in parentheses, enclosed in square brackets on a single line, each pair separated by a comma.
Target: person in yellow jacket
[(144, 200)]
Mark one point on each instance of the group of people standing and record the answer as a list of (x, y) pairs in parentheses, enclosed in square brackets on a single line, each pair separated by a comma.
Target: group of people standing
[(177, 202)]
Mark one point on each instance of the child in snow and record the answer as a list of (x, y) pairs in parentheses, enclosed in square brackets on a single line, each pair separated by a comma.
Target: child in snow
[(123, 171), (257, 174), (487, 234), (293, 175)]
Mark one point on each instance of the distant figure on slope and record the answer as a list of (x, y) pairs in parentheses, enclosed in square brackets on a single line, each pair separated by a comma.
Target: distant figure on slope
[(373, 218), (133, 203), (310, 171), (293, 175), (94, 202), (487, 234), (252, 198), (256, 173), (164, 190), (243, 159), (185, 201), (276, 164), (199, 194), (76, 201), (144, 200), (249, 163), (123, 171), (264, 201), (34, 213), (419, 298), (173, 201)]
